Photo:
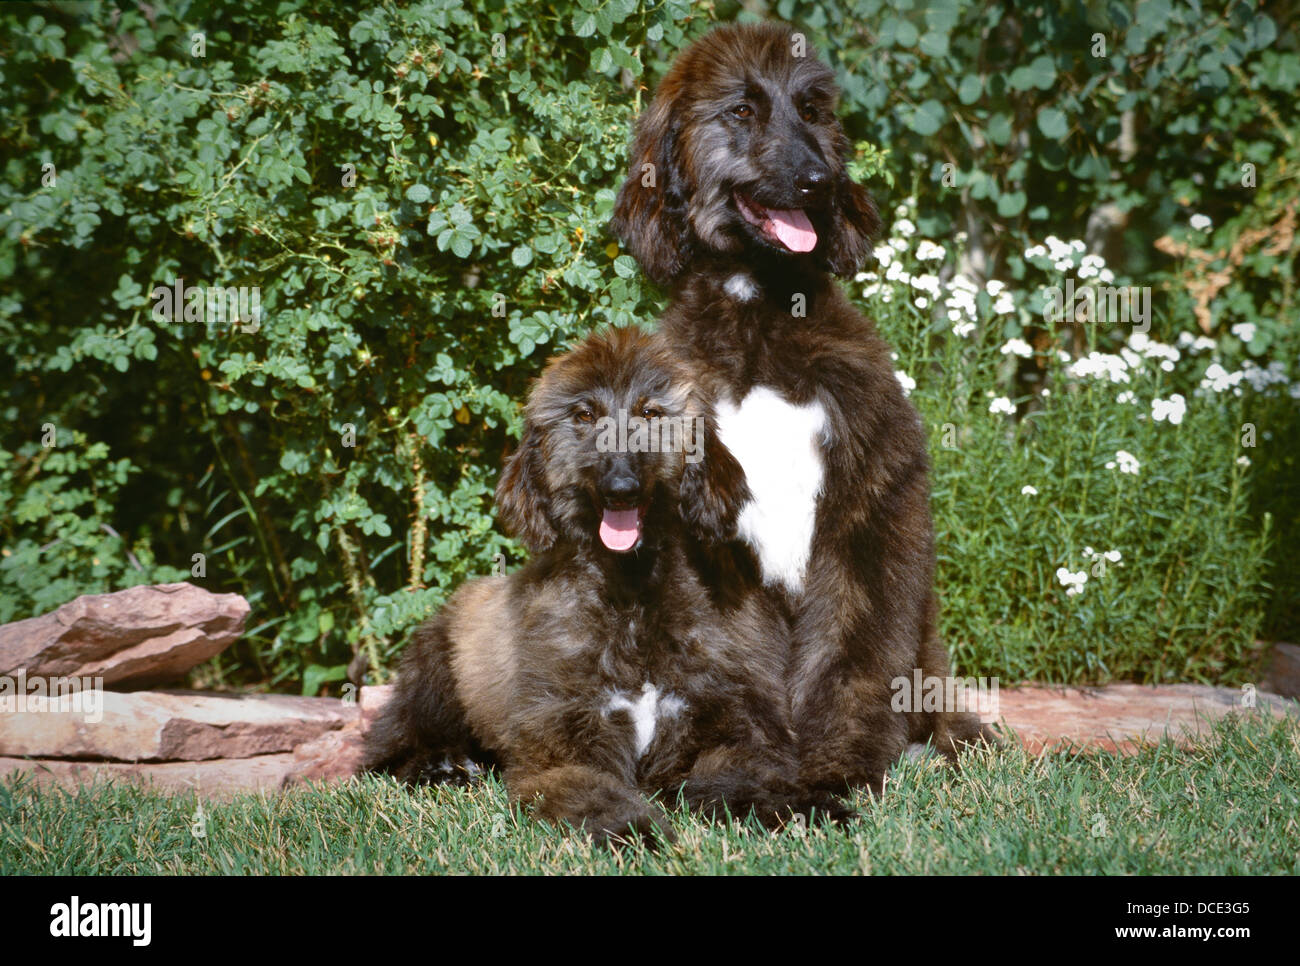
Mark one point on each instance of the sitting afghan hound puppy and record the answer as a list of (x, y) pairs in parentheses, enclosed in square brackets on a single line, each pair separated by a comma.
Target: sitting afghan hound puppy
[(738, 200), (622, 660)]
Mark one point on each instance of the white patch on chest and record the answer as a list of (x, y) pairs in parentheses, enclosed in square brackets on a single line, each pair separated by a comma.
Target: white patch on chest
[(779, 446), (645, 710), (741, 287)]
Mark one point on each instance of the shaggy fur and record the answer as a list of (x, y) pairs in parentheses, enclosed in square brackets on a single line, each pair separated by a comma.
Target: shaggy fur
[(739, 146), (597, 677)]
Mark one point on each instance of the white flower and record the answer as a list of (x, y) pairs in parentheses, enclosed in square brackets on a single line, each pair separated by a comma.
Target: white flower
[(1243, 460), (1114, 556), (1245, 331), (1101, 365), (1172, 409), (1018, 347), (1058, 249), (1126, 462), (963, 329), (927, 283), (922, 302), (1195, 343), (1005, 304), (1028, 491), (1127, 396), (906, 229), (1073, 582), (1002, 405), (1261, 378), (1091, 266), (884, 255), (1217, 379), (994, 287), (1200, 222), (928, 251), (898, 244), (906, 381)]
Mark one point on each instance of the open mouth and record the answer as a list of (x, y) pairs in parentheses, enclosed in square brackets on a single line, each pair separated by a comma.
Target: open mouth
[(787, 227), (620, 530)]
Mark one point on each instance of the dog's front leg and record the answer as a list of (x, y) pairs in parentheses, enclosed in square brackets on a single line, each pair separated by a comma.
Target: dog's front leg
[(848, 733), (587, 798), (737, 779)]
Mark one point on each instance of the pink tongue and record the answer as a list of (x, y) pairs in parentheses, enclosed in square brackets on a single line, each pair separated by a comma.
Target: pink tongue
[(620, 529), (793, 229)]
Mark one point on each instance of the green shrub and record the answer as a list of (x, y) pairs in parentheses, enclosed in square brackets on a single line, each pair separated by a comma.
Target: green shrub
[(418, 196)]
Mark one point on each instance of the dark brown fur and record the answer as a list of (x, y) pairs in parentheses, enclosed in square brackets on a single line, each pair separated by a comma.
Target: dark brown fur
[(739, 113), (520, 670)]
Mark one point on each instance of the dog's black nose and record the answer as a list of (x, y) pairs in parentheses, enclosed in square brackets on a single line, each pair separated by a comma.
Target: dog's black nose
[(620, 485), (812, 178)]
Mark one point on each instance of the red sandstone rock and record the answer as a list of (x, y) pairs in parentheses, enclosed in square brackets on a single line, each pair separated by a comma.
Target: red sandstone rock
[(1121, 717), (221, 778), (167, 725), (131, 638)]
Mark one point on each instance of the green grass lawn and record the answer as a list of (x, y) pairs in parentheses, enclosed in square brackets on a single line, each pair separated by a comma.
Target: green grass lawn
[(1229, 805)]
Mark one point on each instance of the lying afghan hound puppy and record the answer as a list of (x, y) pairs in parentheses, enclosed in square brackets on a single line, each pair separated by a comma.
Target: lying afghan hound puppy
[(738, 200), (621, 660)]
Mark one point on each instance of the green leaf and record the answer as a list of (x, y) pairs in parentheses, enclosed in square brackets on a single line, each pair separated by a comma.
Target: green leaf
[(999, 128), (927, 118), (1040, 73), (1053, 123), (1011, 204)]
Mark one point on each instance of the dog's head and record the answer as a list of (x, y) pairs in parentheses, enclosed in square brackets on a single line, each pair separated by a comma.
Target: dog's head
[(618, 448), (741, 150)]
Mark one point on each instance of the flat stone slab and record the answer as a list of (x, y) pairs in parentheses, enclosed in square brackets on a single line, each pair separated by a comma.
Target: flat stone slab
[(145, 726), (1118, 718), (1124, 717), (221, 779), (135, 637)]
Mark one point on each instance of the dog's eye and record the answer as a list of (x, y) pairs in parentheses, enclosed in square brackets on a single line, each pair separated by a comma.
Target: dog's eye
[(808, 113), (584, 416), (743, 111), (650, 412)]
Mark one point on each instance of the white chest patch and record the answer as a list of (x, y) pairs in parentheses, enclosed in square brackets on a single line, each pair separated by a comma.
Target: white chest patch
[(779, 446), (741, 287), (645, 710)]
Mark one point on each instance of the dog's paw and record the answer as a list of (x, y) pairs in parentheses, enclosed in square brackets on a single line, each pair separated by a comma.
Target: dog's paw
[(622, 827)]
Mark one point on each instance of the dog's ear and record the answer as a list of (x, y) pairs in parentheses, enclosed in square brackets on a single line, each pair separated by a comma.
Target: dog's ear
[(523, 503), (855, 222), (650, 211), (714, 488)]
